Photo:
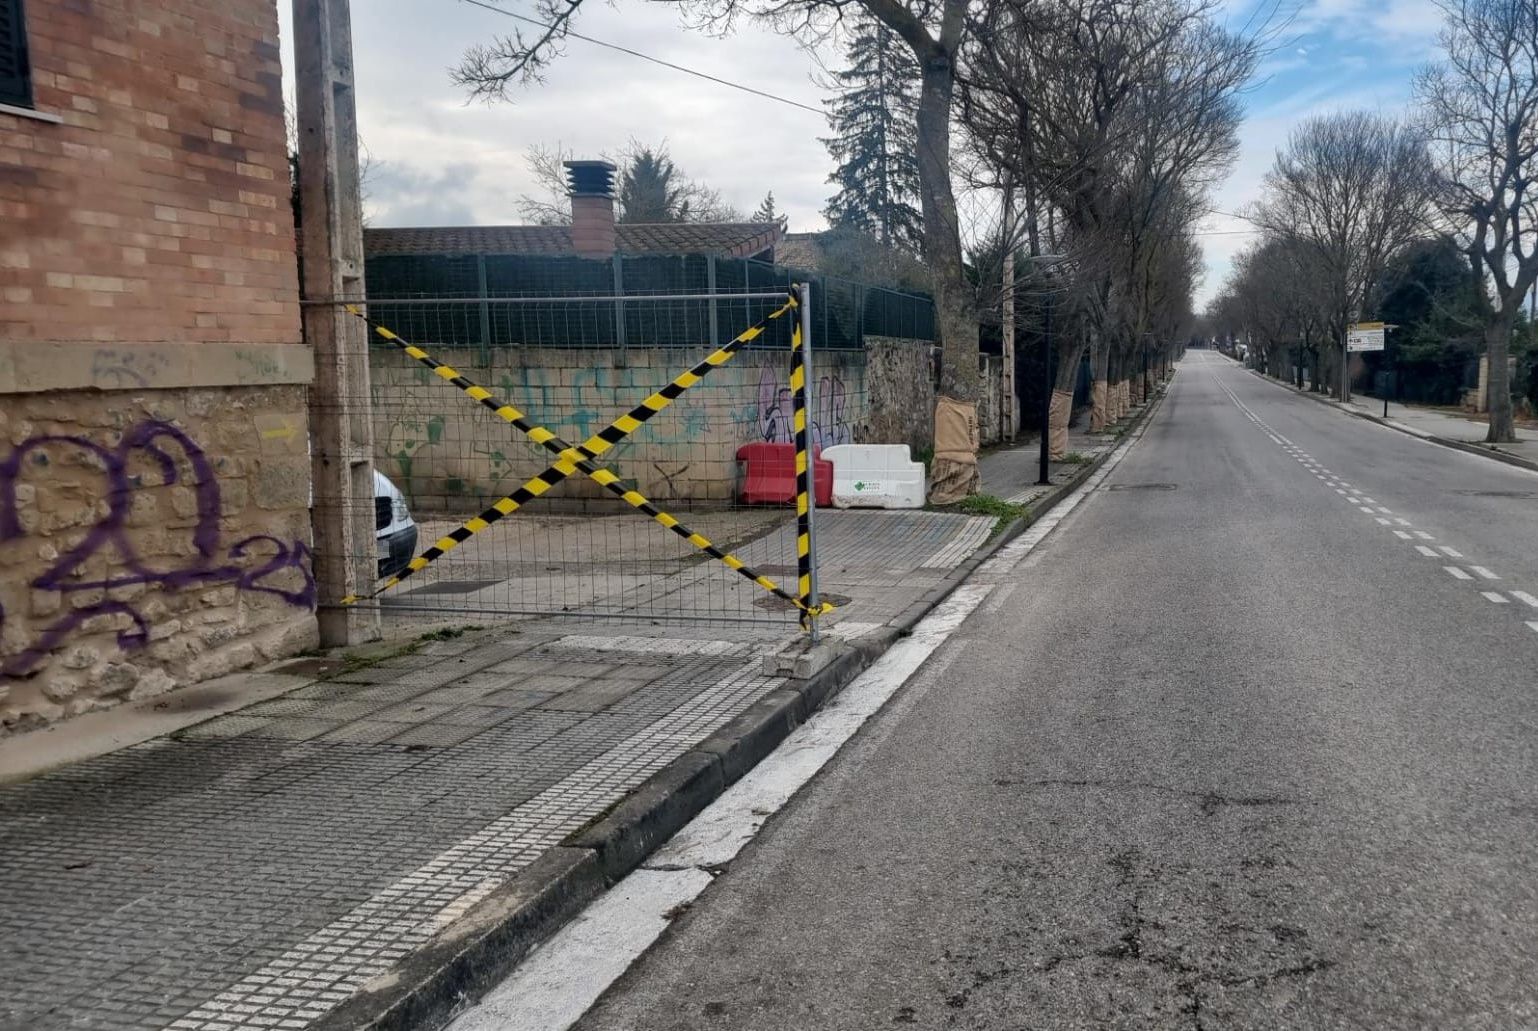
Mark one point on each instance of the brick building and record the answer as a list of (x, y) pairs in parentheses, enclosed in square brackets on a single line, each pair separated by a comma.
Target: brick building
[(154, 470)]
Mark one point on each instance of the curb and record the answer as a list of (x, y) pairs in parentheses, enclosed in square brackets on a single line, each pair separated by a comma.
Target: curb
[(1486, 450), (481, 948), (919, 609)]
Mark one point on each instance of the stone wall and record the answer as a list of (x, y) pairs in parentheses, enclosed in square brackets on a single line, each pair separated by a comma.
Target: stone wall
[(154, 472), (156, 540), (449, 454), (901, 388)]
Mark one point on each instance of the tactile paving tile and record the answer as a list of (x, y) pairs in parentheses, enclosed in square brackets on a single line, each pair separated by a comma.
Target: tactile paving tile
[(235, 881)]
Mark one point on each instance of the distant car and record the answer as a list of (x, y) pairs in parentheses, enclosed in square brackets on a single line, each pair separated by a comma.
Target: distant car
[(394, 529)]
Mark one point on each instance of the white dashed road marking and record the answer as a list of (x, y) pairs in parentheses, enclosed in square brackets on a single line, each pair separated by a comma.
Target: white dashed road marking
[(1485, 573), (1497, 597), (1401, 535), (1428, 552), (1423, 535), (1525, 598), (1451, 552), (1532, 624), (1456, 572)]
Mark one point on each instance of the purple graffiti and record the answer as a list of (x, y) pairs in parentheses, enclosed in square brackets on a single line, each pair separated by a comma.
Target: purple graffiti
[(160, 442), (776, 411)]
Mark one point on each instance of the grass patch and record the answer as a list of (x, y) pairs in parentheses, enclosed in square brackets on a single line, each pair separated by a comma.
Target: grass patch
[(1075, 458), (1003, 512)]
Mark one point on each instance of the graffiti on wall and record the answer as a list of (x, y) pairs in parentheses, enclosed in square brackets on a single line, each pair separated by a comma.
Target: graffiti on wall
[(152, 454), (776, 410)]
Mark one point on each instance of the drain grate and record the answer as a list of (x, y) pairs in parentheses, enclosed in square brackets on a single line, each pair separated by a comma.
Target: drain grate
[(1521, 495), (1141, 486)]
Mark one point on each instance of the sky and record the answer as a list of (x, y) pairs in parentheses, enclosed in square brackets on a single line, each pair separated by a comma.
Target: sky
[(437, 159)]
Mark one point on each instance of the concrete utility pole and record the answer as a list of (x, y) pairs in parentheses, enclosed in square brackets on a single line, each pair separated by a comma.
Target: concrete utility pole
[(331, 250)]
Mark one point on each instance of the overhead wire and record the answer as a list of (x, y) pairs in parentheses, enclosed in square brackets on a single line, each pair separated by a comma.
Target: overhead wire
[(565, 32)]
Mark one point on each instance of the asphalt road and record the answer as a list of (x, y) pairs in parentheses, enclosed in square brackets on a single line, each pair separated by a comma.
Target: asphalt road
[(1231, 752)]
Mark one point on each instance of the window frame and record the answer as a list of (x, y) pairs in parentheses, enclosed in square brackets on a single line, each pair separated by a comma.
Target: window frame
[(23, 97)]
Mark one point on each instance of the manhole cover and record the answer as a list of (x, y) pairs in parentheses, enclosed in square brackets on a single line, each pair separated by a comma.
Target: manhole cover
[(774, 603), (1141, 486), (1526, 495)]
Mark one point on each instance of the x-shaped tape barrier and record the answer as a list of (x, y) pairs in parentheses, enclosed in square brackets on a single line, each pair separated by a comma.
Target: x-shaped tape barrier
[(572, 459)]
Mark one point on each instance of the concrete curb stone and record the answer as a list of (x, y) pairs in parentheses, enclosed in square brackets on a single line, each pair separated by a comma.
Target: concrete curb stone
[(480, 949), (475, 952)]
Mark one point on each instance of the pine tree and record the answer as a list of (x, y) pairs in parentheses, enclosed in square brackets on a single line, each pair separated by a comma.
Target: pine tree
[(875, 140), (651, 190), (766, 211)]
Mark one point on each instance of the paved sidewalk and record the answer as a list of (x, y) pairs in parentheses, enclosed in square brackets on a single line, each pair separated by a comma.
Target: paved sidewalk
[(254, 870)]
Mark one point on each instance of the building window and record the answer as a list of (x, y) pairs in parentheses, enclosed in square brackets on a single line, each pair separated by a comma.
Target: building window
[(15, 75)]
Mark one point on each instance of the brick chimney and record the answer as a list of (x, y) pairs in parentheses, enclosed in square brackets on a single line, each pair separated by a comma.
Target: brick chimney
[(592, 207)]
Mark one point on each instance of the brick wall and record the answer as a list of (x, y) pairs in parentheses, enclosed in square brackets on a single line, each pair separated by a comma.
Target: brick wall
[(158, 210), (154, 470)]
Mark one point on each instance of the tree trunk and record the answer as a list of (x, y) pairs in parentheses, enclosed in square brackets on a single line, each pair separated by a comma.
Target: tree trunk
[(1100, 379), (955, 318), (1070, 352), (1498, 346)]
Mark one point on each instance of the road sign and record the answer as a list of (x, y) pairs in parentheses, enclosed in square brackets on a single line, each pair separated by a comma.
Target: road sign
[(1365, 336)]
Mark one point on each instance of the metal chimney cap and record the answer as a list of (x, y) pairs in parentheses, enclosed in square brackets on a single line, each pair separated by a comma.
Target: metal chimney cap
[(590, 178)]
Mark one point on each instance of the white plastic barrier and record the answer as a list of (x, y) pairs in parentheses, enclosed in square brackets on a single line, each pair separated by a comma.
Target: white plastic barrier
[(875, 476)]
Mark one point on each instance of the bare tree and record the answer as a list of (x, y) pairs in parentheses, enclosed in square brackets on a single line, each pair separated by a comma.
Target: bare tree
[(1114, 116), (933, 30), (1481, 109), (652, 188), (1352, 188)]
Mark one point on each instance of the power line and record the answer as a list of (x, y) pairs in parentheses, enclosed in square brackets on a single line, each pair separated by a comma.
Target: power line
[(647, 57)]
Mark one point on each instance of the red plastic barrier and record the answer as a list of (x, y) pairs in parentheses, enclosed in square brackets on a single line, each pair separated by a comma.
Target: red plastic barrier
[(769, 475)]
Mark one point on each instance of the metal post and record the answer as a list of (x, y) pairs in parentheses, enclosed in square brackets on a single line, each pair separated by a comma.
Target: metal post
[(813, 600), (710, 288), (620, 338), (485, 307), (331, 242), (1045, 479)]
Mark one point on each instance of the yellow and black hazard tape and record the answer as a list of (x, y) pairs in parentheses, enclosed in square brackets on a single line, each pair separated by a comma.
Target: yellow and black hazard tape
[(573, 459)]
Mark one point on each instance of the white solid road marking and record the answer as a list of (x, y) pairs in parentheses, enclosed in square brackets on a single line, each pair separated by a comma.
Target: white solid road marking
[(1385, 511), (1364, 508), (1497, 597), (1382, 521), (1450, 552), (1428, 552), (1339, 491), (1370, 501), (1401, 535), (1532, 624), (1455, 571), (1423, 535), (1402, 522), (1482, 571), (1525, 598)]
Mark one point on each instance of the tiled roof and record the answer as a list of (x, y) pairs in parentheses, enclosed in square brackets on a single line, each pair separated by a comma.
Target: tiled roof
[(723, 239), (799, 250)]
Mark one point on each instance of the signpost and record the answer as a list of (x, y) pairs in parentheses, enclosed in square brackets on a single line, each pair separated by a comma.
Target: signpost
[(1365, 336)]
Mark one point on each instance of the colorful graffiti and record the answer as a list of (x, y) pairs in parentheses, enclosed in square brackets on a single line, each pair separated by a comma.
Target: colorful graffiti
[(151, 454), (776, 410)]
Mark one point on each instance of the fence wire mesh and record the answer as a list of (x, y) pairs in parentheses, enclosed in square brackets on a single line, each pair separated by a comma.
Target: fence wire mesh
[(717, 459)]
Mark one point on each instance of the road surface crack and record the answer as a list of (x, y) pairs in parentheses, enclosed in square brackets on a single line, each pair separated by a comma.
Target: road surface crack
[(1209, 801)]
